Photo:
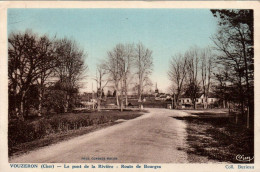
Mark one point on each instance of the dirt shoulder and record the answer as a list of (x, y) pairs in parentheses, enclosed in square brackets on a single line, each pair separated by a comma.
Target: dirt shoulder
[(215, 136)]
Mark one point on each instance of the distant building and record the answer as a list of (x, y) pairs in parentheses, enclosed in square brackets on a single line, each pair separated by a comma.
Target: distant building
[(185, 101)]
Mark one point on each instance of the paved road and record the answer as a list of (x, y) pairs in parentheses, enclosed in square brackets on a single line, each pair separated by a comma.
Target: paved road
[(152, 138)]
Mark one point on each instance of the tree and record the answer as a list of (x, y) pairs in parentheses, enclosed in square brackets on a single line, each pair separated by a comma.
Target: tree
[(234, 41), (221, 88), (192, 90), (71, 67), (49, 62), (177, 74), (192, 68), (206, 73), (144, 66), (101, 82), (114, 93), (113, 66), (55, 98), (126, 63), (30, 59), (109, 94), (119, 65)]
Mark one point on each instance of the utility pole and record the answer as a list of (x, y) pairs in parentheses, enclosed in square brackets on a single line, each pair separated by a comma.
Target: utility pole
[(174, 99), (172, 102), (247, 123)]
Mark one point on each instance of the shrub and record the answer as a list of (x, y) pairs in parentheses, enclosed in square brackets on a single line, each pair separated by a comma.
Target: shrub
[(20, 132), (30, 130), (41, 128)]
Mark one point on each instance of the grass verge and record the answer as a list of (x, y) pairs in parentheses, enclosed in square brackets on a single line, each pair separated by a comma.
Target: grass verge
[(217, 138), (55, 128)]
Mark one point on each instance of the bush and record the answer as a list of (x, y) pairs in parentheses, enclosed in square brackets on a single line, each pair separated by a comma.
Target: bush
[(32, 129), (20, 132), (55, 99), (41, 128), (25, 131)]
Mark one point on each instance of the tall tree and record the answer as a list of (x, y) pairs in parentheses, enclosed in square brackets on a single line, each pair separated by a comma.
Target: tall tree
[(126, 68), (29, 60), (192, 67), (206, 73), (234, 41), (49, 62), (102, 82), (71, 68), (177, 74), (119, 65), (144, 66), (113, 66)]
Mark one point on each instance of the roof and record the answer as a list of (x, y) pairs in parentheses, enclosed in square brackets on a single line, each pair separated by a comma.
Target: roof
[(211, 95)]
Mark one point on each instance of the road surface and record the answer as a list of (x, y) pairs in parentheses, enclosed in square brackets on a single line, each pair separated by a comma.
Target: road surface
[(154, 137)]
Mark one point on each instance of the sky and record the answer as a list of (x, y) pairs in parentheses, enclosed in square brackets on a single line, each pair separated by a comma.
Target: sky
[(164, 31)]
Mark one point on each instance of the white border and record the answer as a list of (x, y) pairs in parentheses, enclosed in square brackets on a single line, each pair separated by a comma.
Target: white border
[(4, 165)]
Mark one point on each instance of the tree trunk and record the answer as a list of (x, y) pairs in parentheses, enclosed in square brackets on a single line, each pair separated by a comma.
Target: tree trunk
[(126, 92), (176, 100), (126, 96), (117, 100), (242, 107), (122, 103), (175, 103), (99, 102), (17, 112), (121, 96), (247, 76), (21, 113), (206, 103), (140, 91), (194, 103), (40, 102), (126, 100), (247, 121), (140, 98), (40, 106), (66, 104)]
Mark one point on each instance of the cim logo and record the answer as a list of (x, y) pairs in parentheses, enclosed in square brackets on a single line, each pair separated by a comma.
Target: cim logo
[(243, 158)]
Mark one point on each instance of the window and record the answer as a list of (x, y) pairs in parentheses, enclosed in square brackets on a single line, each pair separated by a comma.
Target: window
[(197, 100), (188, 100), (211, 100)]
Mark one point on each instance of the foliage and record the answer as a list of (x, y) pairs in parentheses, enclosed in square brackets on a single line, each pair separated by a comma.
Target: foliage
[(55, 99), (234, 43), (144, 66), (192, 90), (33, 63), (28, 57)]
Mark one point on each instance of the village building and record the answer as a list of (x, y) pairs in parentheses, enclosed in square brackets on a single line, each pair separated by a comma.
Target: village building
[(185, 101)]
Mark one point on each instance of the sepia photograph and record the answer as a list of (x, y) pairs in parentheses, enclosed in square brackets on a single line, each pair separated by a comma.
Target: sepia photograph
[(131, 85)]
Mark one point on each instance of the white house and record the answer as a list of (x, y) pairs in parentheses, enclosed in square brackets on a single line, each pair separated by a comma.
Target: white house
[(186, 101)]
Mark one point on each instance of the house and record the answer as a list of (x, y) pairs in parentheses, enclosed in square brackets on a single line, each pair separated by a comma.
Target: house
[(185, 101), (163, 97)]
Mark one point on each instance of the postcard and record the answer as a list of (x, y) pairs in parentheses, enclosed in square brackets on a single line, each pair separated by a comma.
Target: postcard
[(142, 86)]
